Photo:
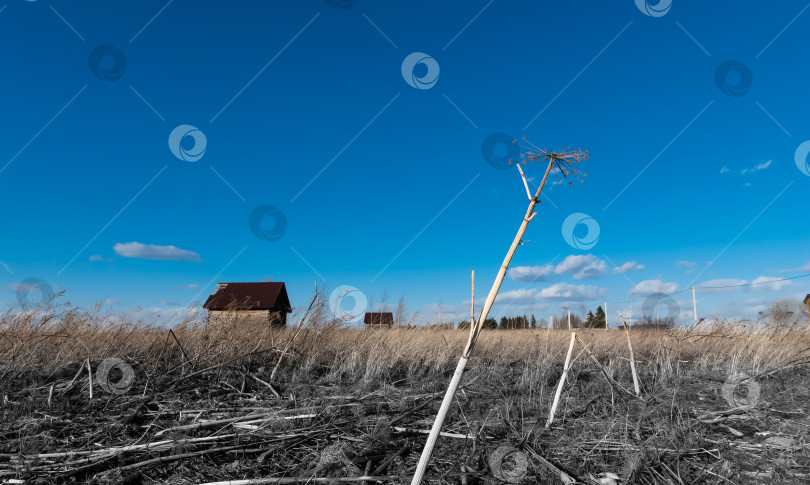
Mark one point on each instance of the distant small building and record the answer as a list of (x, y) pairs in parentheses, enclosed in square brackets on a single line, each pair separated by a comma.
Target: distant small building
[(264, 302), (379, 320)]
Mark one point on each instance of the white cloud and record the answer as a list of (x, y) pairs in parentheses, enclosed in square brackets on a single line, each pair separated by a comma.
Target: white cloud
[(517, 297), (806, 267), (568, 292), (684, 264), (651, 287), (96, 257), (583, 267), (628, 266), (152, 251), (528, 274), (720, 282), (760, 283), (748, 171), (191, 286), (768, 283)]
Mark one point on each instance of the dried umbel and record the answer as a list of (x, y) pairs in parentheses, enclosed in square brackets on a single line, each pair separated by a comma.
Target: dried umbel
[(564, 160)]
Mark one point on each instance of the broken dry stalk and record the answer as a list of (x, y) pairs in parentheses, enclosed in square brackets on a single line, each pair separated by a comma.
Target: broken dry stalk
[(563, 162), (632, 358), (557, 394)]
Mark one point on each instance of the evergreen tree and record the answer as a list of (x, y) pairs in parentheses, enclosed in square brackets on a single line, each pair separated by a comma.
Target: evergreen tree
[(589, 320), (533, 322), (600, 319), (489, 323)]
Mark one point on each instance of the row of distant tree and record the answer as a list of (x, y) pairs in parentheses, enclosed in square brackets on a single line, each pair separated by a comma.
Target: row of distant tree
[(592, 320)]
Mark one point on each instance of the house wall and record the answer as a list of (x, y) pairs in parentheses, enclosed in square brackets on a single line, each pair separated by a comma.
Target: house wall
[(249, 317)]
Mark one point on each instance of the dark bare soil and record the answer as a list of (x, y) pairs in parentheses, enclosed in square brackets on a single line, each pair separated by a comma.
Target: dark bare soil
[(223, 424)]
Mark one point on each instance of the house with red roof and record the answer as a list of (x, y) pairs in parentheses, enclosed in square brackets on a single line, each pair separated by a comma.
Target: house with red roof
[(262, 302)]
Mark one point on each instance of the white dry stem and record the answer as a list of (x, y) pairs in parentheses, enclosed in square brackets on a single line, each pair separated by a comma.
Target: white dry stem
[(421, 468), (564, 375), (632, 358)]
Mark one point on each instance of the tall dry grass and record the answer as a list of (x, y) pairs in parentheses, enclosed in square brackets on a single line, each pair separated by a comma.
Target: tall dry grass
[(44, 345)]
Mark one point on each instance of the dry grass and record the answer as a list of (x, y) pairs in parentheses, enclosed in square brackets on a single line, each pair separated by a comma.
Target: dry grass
[(677, 431)]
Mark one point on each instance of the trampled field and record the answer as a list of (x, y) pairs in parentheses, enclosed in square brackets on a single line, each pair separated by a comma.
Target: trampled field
[(720, 404)]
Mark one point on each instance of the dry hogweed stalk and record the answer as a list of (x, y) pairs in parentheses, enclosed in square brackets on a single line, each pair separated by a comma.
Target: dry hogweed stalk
[(563, 162)]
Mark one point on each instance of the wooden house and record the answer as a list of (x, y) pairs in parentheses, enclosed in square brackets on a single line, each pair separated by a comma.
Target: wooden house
[(262, 303), (379, 320)]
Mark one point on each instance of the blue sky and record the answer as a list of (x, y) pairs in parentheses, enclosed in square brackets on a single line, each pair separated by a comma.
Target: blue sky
[(299, 113)]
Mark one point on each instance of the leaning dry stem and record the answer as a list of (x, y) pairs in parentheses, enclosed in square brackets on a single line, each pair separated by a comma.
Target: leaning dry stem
[(564, 375), (632, 357), (474, 332)]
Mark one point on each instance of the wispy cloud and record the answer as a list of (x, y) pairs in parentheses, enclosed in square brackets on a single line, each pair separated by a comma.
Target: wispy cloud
[(581, 267), (651, 287), (568, 292), (748, 170), (804, 268), (760, 283), (528, 274), (685, 264), (190, 286), (628, 266), (152, 251)]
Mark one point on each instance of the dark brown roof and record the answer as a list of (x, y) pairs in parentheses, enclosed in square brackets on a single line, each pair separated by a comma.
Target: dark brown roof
[(382, 318), (249, 296)]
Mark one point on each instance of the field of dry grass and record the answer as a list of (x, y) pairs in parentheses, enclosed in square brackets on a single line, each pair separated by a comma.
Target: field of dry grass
[(720, 403)]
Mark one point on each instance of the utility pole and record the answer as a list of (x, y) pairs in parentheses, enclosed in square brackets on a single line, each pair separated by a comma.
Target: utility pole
[(606, 320), (569, 316)]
